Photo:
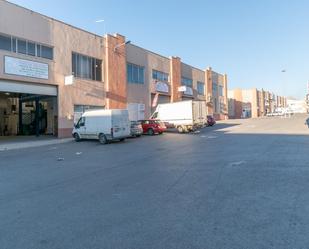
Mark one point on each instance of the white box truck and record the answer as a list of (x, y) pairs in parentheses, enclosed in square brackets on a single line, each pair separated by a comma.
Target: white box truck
[(184, 115), (104, 125)]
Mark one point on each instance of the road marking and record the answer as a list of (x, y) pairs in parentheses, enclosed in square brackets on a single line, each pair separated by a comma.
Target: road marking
[(236, 163), (209, 137)]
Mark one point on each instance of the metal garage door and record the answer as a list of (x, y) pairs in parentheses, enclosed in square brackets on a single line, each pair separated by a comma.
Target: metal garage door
[(29, 88)]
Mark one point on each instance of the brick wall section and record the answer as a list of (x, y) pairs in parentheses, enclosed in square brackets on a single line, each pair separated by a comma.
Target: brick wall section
[(208, 79), (225, 115), (262, 103), (115, 72), (175, 74)]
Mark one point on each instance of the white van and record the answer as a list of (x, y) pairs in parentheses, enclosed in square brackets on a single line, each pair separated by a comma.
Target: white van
[(104, 125)]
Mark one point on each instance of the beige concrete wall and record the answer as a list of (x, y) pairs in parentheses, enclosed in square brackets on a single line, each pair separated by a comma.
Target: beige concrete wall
[(83, 92), (64, 39), (220, 101), (22, 23), (198, 75), (113, 91), (141, 93)]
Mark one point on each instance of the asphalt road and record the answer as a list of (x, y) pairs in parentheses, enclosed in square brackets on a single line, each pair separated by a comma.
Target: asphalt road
[(241, 184)]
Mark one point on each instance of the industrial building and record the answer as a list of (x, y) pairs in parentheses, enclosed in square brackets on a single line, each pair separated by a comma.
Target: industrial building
[(51, 72), (253, 103)]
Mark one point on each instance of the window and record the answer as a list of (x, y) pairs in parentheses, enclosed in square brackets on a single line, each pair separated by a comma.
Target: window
[(186, 82), (220, 90), (160, 76), (81, 122), (14, 45), (135, 74), (86, 67), (98, 69), (200, 88), (22, 46), (46, 52), (31, 49), (5, 43), (38, 50), (214, 88)]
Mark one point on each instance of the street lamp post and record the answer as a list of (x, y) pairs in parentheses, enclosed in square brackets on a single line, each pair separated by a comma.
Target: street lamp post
[(122, 44)]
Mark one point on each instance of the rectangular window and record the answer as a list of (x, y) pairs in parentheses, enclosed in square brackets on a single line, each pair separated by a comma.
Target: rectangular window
[(141, 75), (46, 52), (214, 88), (220, 90), (38, 50), (160, 76), (31, 48), (98, 69), (86, 67), (5, 43), (186, 81), (200, 88), (14, 45), (129, 73), (22, 46), (135, 74)]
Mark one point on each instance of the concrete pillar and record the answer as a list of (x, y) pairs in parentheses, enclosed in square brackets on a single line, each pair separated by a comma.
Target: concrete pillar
[(115, 72), (175, 74)]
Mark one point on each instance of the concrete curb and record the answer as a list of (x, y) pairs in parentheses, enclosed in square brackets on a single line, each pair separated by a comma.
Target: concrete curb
[(32, 144)]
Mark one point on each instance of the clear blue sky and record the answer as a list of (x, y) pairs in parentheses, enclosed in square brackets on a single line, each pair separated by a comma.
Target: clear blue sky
[(251, 41)]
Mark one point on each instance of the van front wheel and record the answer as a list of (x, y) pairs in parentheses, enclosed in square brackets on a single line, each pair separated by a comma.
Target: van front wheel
[(76, 137), (102, 139)]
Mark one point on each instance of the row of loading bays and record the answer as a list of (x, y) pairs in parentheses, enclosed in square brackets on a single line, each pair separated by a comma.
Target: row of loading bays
[(27, 113)]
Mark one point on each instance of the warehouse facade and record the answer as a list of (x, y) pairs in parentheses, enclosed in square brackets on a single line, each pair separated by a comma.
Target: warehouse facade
[(253, 103), (51, 72)]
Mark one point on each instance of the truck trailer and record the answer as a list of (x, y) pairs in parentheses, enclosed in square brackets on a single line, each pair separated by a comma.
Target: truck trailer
[(186, 116)]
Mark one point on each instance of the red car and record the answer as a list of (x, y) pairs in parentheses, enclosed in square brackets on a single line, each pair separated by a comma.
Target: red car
[(210, 120), (153, 126)]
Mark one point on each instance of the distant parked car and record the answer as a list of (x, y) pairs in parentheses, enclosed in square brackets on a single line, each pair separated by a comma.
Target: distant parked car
[(153, 126), (210, 120), (136, 129)]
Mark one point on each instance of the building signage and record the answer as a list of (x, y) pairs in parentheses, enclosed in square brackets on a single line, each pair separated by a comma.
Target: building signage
[(25, 68), (69, 80), (161, 87), (188, 91)]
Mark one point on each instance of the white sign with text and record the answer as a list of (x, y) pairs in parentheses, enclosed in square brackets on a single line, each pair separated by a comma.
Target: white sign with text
[(26, 68)]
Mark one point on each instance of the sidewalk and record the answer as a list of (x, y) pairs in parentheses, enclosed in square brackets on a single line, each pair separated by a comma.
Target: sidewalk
[(22, 142)]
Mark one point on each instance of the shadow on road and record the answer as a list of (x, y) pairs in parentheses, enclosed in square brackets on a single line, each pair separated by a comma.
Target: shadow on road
[(218, 126)]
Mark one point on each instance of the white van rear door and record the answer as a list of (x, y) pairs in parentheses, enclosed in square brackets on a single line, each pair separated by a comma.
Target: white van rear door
[(121, 126)]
